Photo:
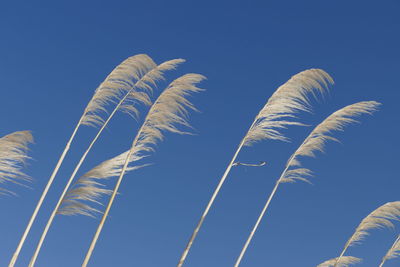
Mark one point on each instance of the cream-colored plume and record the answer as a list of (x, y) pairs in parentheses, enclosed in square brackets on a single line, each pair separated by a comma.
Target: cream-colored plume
[(320, 135), (131, 94), (169, 110), (344, 262), (277, 114), (313, 143), (380, 218), (87, 188), (120, 81), (145, 85), (127, 82), (13, 156), (288, 99)]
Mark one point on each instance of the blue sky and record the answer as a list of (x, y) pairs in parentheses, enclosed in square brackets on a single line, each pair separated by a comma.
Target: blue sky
[(54, 54)]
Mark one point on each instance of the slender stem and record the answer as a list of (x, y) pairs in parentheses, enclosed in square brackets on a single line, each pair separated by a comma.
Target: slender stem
[(256, 225), (203, 216), (103, 219), (114, 193), (211, 201), (344, 250), (264, 210), (53, 214), (390, 250), (133, 147), (42, 197)]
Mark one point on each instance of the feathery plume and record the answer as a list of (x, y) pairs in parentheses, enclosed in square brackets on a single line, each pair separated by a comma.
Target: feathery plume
[(169, 110), (138, 93), (313, 143), (277, 114), (288, 99), (13, 156), (393, 252), (344, 262), (88, 189), (118, 81), (320, 135), (380, 218)]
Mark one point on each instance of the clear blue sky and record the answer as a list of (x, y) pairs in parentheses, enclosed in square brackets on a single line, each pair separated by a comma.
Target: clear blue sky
[(55, 53)]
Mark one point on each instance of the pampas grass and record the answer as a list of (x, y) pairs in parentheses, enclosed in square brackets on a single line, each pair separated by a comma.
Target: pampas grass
[(393, 252), (116, 83), (277, 114), (133, 95), (378, 219), (13, 157), (313, 143), (169, 110)]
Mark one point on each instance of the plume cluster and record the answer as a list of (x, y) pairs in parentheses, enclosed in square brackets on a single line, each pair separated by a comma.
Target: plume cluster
[(13, 156), (168, 111), (313, 143), (320, 135), (139, 93), (117, 83), (288, 99), (344, 262), (87, 188), (382, 217), (277, 114), (144, 74)]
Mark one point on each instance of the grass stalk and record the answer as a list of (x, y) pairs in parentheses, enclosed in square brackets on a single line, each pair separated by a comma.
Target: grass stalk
[(42, 197)]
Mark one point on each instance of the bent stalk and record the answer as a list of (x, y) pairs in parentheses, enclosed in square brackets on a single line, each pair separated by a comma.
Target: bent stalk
[(168, 109), (103, 95), (53, 214), (157, 70), (257, 224), (210, 203), (103, 219), (289, 99), (314, 142), (42, 197)]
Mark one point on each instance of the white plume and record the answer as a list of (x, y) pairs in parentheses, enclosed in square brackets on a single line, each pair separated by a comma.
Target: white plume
[(13, 156), (281, 107), (320, 135), (379, 218), (168, 111), (119, 82)]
